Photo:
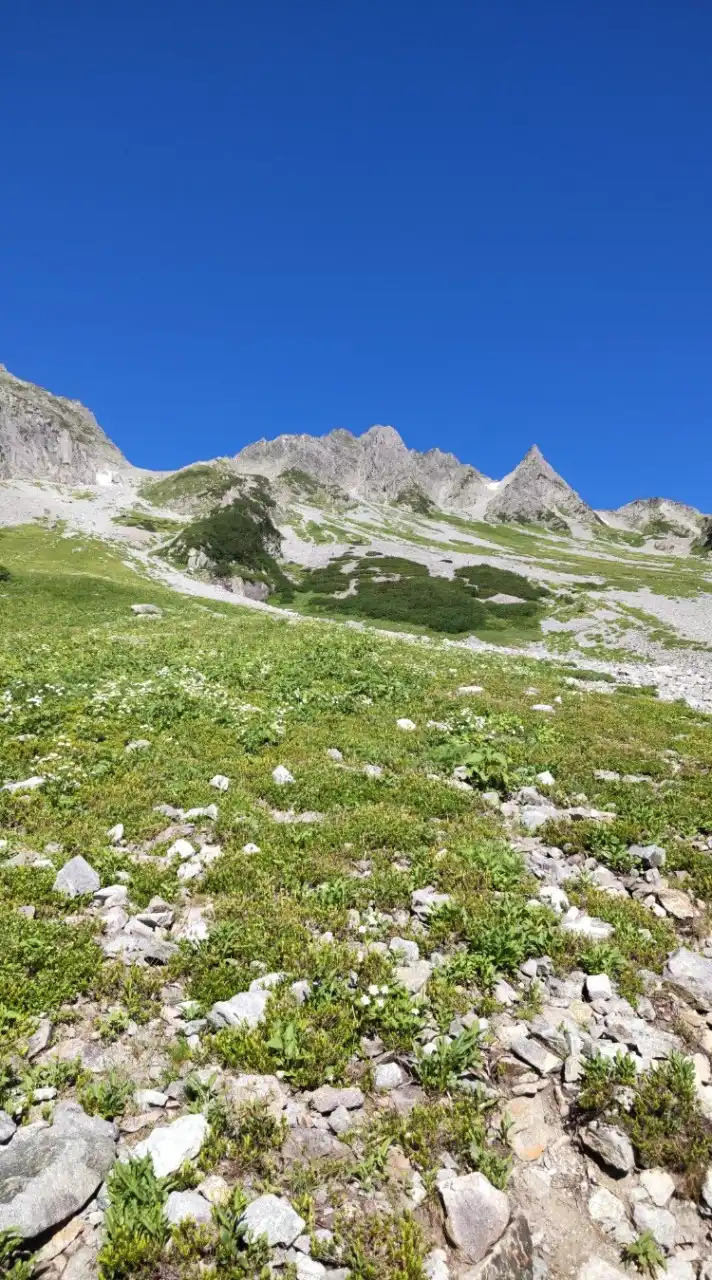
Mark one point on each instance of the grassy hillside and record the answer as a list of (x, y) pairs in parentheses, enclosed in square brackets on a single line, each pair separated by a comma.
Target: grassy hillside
[(222, 691)]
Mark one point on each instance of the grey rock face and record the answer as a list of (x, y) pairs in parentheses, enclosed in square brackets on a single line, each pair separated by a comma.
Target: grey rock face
[(691, 975), (376, 466), (327, 1099), (7, 1127), (76, 877), (46, 437), (476, 1214), (309, 1145), (48, 1174)]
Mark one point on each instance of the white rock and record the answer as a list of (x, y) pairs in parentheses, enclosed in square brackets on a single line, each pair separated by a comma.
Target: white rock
[(546, 779), (334, 753), (146, 1098), (435, 1265), (273, 1217), (181, 849), (28, 784), (220, 782), (465, 689), (281, 775), (250, 847), (169, 1146), (599, 986), (659, 1186), (116, 834), (541, 706), (586, 926), (603, 1206), (554, 897), (388, 1075), (407, 950), (407, 725)]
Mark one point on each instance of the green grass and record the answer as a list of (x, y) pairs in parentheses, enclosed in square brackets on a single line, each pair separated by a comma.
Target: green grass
[(230, 691), (204, 483)]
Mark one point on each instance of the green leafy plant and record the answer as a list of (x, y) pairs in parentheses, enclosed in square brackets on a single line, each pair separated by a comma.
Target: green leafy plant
[(441, 1070), (109, 1097), (646, 1255), (135, 1227)]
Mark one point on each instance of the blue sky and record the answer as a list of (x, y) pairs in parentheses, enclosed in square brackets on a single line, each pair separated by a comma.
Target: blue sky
[(487, 224)]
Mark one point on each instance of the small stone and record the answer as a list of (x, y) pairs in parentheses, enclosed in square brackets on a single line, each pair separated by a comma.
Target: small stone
[(659, 1186), (341, 1120), (414, 977), (250, 847), (466, 689), (542, 706), (676, 903), (116, 834), (146, 1098), (546, 779), (334, 753), (388, 1075), (578, 922), (187, 1205), (273, 1217), (40, 1038), (599, 986), (169, 1146), (611, 1145), (146, 610), (182, 849), (651, 855), (77, 877), (476, 1214), (220, 782), (409, 952), (28, 784), (406, 725), (538, 1057), (310, 1145), (327, 1099), (281, 775)]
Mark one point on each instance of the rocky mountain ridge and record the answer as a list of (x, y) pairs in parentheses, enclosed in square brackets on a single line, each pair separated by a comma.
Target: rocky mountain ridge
[(51, 438)]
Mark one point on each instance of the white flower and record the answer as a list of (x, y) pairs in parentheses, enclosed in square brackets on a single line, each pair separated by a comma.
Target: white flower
[(384, 991), (380, 1003), (373, 989), (362, 928), (364, 1002)]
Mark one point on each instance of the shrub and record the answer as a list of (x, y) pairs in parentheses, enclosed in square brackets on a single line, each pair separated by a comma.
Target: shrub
[(487, 580)]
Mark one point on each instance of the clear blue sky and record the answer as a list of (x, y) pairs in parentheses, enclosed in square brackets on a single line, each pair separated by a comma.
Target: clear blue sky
[(485, 223)]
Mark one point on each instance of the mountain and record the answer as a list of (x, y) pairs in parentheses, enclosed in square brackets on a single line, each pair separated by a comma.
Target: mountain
[(374, 467), (45, 437), (659, 516), (535, 492)]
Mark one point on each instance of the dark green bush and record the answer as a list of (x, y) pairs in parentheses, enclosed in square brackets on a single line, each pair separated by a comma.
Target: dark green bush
[(487, 580)]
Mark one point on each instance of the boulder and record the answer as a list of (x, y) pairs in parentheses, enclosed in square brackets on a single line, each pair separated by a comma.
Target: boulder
[(476, 1214), (247, 1007), (308, 1145), (327, 1099), (76, 877), (48, 1174), (273, 1217)]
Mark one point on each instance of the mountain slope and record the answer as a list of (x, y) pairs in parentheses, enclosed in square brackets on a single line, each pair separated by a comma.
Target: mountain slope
[(535, 492), (45, 437)]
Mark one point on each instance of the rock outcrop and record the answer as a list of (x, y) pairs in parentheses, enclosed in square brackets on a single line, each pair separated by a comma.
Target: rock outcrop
[(45, 437), (535, 492)]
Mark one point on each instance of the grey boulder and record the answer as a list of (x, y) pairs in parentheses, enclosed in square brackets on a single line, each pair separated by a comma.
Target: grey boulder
[(77, 877), (272, 1217), (611, 1145), (511, 1258), (477, 1214), (182, 1205), (247, 1007), (47, 1174)]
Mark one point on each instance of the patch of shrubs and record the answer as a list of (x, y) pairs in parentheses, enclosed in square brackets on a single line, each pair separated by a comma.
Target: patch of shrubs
[(239, 538), (402, 591), (5, 575)]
